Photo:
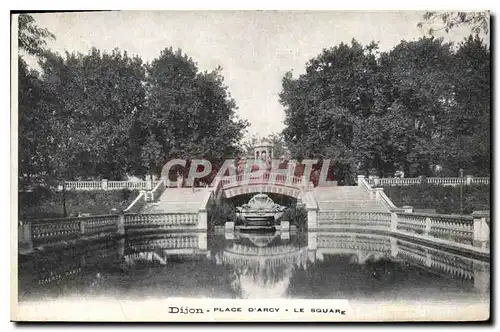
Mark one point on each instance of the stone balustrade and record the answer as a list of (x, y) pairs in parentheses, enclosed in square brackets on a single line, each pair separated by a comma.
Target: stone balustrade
[(46, 231), (266, 178), (356, 219), (445, 181), (470, 230), (162, 221), (110, 185)]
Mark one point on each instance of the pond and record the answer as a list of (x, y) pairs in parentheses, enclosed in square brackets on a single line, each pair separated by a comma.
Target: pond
[(326, 265)]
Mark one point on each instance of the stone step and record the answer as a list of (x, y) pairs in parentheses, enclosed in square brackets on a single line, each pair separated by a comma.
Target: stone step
[(178, 200)]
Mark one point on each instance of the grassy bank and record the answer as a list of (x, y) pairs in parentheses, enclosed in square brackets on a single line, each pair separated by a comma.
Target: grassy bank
[(45, 203), (444, 199)]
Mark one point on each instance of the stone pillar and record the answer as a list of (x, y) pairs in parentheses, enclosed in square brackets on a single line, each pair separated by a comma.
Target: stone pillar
[(149, 182), (360, 178), (312, 219), (427, 230), (24, 236), (428, 259), (482, 278), (312, 241), (375, 181), (202, 220), (408, 209), (394, 222), (468, 179), (104, 184), (394, 247), (312, 246), (121, 248), (82, 227), (285, 226), (202, 241), (481, 229), (229, 227), (285, 235), (120, 224)]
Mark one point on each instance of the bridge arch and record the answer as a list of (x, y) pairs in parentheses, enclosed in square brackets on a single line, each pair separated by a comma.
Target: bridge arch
[(282, 184)]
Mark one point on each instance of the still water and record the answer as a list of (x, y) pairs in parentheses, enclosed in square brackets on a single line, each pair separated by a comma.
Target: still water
[(335, 265)]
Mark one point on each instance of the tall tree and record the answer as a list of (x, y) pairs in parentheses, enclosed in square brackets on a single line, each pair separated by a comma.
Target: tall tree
[(479, 22), (94, 99), (322, 106), (418, 106), (190, 114), (34, 133), (31, 38), (468, 121)]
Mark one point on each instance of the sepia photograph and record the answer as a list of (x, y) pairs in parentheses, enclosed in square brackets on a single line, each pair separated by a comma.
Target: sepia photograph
[(251, 166)]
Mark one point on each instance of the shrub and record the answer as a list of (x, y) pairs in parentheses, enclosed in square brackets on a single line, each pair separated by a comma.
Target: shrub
[(445, 199), (45, 203), (221, 213), (296, 216)]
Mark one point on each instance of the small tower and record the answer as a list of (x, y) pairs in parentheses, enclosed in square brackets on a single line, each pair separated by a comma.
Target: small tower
[(263, 150)]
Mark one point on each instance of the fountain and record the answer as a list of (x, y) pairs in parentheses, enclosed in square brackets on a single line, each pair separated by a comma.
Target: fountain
[(259, 212)]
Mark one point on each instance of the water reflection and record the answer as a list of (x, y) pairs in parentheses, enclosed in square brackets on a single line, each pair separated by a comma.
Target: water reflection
[(262, 264), (254, 265)]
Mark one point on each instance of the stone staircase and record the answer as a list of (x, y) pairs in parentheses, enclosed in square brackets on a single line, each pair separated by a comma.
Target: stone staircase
[(181, 200), (347, 198)]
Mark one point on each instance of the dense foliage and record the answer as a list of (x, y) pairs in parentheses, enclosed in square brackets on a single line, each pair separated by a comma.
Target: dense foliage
[(45, 203), (105, 115), (422, 107), (220, 213), (444, 199), (296, 216)]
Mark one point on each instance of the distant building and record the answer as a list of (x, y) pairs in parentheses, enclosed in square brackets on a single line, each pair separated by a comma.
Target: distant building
[(263, 150)]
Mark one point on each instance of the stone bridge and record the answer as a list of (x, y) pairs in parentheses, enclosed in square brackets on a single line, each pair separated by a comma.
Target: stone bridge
[(231, 186)]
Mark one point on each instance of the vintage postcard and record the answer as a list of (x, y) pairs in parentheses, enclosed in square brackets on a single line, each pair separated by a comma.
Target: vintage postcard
[(251, 166)]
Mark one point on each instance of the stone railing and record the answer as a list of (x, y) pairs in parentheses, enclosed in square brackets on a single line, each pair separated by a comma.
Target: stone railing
[(366, 220), (449, 181), (376, 193), (455, 228), (146, 197), (57, 230), (44, 231), (438, 261), (109, 185), (266, 178), (159, 221), (464, 231), (167, 241)]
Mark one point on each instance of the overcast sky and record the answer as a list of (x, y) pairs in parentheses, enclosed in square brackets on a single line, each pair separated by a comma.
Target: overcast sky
[(255, 48)]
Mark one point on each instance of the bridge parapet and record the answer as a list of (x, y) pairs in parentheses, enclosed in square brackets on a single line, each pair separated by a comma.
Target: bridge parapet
[(267, 178)]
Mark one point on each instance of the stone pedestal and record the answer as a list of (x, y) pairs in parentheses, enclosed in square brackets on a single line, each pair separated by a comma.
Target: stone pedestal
[(481, 229), (360, 178), (285, 226), (202, 241), (24, 236), (394, 222), (312, 219), (408, 209), (82, 227), (394, 247), (312, 241), (202, 220), (229, 226), (120, 226), (121, 248)]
